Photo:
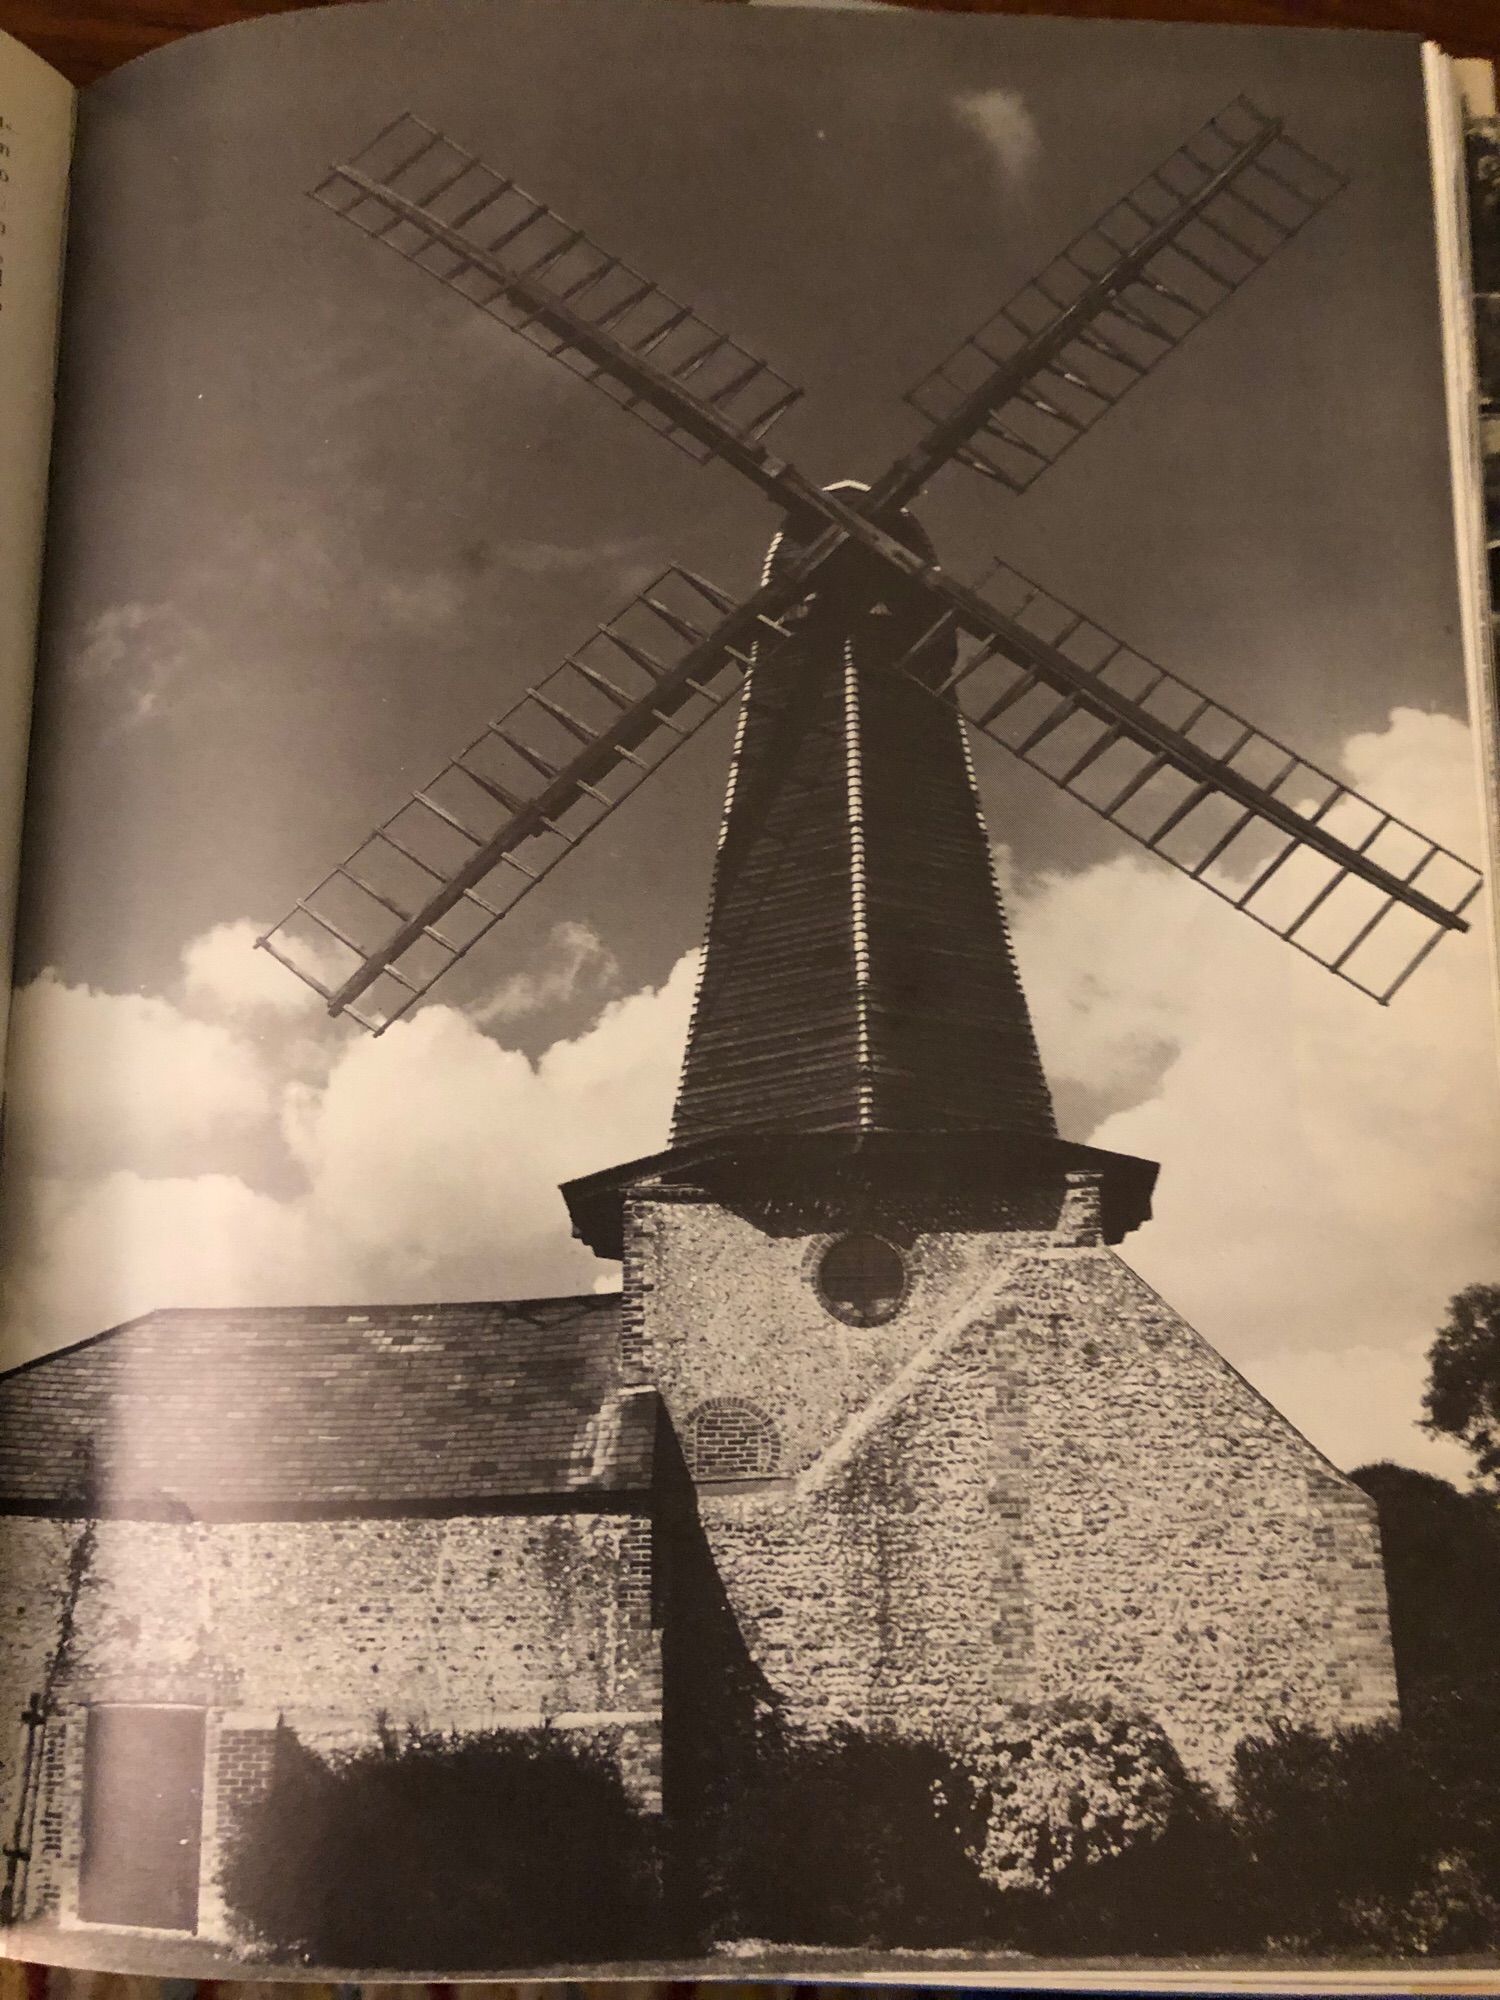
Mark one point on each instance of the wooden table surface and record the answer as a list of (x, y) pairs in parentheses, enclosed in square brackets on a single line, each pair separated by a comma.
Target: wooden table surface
[(84, 38)]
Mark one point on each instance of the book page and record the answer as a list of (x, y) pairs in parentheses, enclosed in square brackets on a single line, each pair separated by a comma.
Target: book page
[(1455, 90), (36, 131), (750, 1205)]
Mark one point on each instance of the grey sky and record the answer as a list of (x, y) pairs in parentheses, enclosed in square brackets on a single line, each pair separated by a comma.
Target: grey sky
[(332, 520)]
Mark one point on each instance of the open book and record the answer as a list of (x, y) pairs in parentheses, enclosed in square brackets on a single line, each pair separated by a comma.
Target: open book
[(753, 1042)]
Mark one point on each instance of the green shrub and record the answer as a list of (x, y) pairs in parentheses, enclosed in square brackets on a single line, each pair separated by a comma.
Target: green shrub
[(1381, 1839), (1103, 1841), (488, 1851), (851, 1838), (1062, 1784)]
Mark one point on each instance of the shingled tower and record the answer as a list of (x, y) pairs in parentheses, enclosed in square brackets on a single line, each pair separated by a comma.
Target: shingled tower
[(860, 1046), (857, 973)]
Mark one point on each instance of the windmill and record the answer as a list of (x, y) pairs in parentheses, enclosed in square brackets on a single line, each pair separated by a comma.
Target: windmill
[(865, 662)]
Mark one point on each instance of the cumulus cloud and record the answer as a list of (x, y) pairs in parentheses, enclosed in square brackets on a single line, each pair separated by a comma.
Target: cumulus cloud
[(420, 1165), (1327, 1165), (97, 1074), (222, 971), (1003, 120), (580, 964)]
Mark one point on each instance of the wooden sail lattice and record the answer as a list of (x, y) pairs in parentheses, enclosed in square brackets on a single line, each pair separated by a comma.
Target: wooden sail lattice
[(420, 892), (1355, 888), (1295, 848), (517, 260), (1125, 293)]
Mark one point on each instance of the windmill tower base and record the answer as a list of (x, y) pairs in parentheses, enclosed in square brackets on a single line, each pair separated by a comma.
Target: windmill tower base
[(1024, 1478)]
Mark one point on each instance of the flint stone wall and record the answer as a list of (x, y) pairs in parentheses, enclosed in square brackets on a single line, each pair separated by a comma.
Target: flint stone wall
[(467, 1623), (1036, 1481)]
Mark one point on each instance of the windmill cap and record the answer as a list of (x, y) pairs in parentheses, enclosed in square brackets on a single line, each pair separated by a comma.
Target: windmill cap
[(979, 1179)]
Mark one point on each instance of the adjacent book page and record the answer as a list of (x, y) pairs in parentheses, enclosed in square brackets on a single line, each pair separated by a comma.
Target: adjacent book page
[(36, 135), (751, 1196)]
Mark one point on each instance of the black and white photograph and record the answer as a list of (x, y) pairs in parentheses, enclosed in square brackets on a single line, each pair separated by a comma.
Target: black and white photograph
[(749, 1218)]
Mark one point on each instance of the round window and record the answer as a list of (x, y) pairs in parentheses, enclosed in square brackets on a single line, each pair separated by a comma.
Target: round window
[(862, 1279)]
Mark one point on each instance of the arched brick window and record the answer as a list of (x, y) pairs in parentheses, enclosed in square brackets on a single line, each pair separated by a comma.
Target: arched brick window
[(730, 1438)]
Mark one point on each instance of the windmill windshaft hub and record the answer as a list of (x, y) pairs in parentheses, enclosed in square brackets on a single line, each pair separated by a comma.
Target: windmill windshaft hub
[(857, 596)]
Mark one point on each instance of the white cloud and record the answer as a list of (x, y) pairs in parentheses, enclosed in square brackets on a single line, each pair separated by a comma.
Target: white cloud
[(423, 1164), (223, 971), (581, 963), (1328, 1166), (100, 1078), (1003, 120), (86, 1254)]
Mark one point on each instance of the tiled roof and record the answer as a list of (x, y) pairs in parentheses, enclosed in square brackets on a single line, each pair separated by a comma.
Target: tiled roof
[(329, 1410)]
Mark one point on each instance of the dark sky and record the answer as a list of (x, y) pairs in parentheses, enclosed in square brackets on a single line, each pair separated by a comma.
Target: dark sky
[(332, 519)]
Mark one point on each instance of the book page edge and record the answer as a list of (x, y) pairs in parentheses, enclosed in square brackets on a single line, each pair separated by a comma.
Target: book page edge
[(37, 104), (1443, 81)]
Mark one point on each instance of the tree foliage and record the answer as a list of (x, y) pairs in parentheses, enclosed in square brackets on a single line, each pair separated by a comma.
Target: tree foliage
[(1442, 1568), (1463, 1390), (1374, 1840)]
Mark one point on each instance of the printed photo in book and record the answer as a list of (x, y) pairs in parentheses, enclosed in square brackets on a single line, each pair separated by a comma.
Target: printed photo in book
[(750, 1203)]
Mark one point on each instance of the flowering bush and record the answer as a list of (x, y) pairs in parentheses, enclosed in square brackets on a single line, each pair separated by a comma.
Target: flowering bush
[(1061, 1784)]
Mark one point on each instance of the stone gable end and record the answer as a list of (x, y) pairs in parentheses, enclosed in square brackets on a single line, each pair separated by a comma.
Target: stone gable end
[(1038, 1481)]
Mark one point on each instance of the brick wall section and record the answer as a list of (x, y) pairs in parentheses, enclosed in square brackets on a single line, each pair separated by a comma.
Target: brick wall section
[(244, 1770), (1035, 1480), (44, 1884), (240, 1759), (1356, 1618), (730, 1438)]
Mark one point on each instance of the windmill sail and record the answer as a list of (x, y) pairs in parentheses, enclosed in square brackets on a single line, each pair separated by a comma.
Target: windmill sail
[(519, 261), (1363, 893), (1013, 397), (423, 889), (1357, 889)]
